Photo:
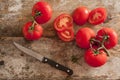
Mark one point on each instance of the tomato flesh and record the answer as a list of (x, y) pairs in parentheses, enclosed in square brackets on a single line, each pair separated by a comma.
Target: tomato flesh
[(62, 22), (66, 35), (97, 16)]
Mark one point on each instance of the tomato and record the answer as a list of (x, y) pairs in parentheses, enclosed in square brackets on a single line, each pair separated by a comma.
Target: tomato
[(110, 36), (63, 22), (83, 37), (97, 16), (32, 31), (80, 15), (95, 59), (66, 35), (42, 12)]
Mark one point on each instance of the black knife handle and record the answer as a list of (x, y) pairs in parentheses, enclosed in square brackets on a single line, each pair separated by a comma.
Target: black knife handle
[(57, 66)]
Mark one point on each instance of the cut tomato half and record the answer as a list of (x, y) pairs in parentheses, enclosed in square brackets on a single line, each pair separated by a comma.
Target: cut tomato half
[(63, 21), (66, 35), (97, 16)]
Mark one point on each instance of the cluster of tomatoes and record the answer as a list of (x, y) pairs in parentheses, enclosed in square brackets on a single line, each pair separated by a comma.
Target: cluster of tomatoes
[(96, 45), (41, 13)]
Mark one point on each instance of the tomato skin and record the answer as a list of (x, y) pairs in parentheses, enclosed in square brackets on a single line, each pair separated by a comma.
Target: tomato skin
[(66, 35), (62, 22), (34, 34), (80, 15), (45, 12), (97, 16), (112, 37), (95, 60), (83, 37)]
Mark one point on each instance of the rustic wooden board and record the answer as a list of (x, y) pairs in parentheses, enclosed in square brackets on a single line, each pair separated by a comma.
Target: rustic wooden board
[(19, 65), (14, 14)]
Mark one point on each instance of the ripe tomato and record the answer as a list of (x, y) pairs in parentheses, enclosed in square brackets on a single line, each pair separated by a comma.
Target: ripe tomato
[(32, 31), (66, 35), (42, 12), (80, 15), (95, 59), (63, 21), (83, 37), (97, 16), (110, 36)]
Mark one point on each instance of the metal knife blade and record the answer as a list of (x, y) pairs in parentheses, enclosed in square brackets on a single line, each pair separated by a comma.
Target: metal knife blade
[(29, 52), (44, 59)]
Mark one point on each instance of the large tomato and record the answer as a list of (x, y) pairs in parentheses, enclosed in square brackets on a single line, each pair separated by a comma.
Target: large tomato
[(80, 15), (63, 21), (83, 37), (95, 58), (109, 35), (42, 12), (97, 16), (32, 31)]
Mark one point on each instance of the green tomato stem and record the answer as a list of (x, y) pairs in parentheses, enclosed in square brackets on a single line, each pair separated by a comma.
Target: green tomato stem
[(94, 40), (31, 28), (108, 54), (101, 44)]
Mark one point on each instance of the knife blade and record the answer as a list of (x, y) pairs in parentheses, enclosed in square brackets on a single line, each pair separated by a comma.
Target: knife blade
[(44, 59)]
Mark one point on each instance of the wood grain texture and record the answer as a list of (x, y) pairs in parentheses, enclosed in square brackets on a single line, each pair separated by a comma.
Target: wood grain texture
[(15, 13)]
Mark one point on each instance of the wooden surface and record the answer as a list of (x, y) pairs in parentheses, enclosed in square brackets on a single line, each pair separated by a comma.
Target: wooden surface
[(17, 65)]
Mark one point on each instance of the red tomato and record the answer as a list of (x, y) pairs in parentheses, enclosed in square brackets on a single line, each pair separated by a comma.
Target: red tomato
[(80, 15), (32, 31), (95, 59), (97, 16), (66, 35), (63, 21), (83, 37), (42, 12), (110, 35)]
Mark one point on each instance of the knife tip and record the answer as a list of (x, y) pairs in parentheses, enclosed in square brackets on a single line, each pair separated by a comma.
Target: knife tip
[(14, 43)]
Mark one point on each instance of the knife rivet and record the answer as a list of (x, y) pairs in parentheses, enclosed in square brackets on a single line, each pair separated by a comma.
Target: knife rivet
[(68, 70), (56, 65), (45, 60)]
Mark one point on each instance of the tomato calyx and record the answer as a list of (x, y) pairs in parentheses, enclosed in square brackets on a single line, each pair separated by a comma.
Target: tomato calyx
[(38, 13), (96, 52), (31, 29), (105, 38)]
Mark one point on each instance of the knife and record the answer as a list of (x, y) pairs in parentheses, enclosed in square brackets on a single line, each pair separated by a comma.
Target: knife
[(43, 59)]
